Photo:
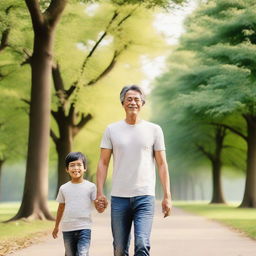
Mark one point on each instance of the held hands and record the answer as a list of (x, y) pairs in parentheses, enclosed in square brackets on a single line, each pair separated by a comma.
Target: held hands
[(101, 203), (166, 207)]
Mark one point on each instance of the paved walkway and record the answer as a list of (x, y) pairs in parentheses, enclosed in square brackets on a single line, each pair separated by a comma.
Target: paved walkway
[(182, 234)]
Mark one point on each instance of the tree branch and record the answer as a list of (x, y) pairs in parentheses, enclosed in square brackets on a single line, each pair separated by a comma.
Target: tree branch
[(35, 12), (57, 79), (232, 130), (26, 101), (54, 11), (83, 121), (71, 112), (53, 136), (207, 154), (4, 39), (108, 68), (115, 15), (105, 71)]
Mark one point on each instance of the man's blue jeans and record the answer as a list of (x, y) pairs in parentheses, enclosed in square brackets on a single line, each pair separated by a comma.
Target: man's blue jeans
[(77, 242), (124, 211)]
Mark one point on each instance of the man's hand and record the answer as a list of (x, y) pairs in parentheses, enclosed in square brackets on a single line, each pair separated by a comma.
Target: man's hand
[(101, 203), (166, 207), (55, 232)]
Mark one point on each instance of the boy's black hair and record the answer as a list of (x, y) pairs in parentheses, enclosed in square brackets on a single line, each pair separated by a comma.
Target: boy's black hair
[(73, 156)]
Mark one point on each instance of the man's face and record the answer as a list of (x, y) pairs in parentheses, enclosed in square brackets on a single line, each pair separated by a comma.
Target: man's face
[(76, 169), (132, 102)]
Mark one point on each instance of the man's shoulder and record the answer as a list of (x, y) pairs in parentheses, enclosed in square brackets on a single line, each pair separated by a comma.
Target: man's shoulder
[(151, 124)]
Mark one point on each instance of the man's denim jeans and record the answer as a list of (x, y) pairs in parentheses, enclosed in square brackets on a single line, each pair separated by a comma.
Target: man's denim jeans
[(77, 242), (124, 211)]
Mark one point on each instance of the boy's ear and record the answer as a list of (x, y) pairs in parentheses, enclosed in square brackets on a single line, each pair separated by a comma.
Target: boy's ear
[(66, 169)]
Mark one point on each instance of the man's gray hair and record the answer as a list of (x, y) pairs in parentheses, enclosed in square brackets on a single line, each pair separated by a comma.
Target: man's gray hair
[(132, 88)]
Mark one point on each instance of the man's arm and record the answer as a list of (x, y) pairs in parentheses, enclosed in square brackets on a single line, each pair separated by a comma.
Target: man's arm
[(162, 167), (58, 219), (102, 171)]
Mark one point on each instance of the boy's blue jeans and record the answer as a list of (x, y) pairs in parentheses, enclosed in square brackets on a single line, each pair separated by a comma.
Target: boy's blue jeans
[(124, 211), (77, 242)]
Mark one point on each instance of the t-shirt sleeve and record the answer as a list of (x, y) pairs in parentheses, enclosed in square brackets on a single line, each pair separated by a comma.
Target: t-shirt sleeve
[(106, 140), (60, 197), (159, 140), (93, 193)]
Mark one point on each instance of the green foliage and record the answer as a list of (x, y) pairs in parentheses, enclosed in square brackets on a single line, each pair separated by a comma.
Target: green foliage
[(211, 79), (102, 98)]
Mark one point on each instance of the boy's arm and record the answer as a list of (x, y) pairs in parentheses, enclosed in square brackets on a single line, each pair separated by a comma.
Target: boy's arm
[(58, 219), (102, 171)]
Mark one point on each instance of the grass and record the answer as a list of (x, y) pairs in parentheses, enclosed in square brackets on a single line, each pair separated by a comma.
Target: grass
[(241, 219), (21, 228)]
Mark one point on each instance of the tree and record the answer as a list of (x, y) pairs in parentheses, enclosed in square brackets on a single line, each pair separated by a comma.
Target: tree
[(191, 134), (227, 49), (34, 202)]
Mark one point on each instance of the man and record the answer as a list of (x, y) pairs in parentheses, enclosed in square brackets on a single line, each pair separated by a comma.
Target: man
[(135, 144)]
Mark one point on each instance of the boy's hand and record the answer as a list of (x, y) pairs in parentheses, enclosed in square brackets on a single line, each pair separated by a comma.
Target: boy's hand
[(55, 232), (101, 203)]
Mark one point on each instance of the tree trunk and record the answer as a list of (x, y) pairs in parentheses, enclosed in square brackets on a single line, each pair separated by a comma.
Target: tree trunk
[(217, 193), (1, 168), (249, 199), (63, 147), (35, 195)]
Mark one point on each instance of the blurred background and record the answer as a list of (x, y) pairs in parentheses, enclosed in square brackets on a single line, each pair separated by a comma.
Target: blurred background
[(194, 59)]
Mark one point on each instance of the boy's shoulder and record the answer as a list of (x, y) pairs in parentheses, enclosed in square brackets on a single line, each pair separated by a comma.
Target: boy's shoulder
[(89, 183), (85, 183)]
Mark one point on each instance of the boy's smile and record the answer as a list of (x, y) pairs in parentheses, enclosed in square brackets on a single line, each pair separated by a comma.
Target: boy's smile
[(76, 171)]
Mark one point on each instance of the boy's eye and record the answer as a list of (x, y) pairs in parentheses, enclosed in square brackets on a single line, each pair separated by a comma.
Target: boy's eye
[(75, 165)]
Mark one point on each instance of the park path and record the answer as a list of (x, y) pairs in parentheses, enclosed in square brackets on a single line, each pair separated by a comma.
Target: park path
[(182, 234)]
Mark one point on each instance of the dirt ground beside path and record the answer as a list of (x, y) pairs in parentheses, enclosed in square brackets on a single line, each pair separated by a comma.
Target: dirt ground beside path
[(182, 234)]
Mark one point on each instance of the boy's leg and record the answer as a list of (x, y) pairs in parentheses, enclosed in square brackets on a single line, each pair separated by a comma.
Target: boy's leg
[(69, 243), (143, 219), (121, 221), (83, 243)]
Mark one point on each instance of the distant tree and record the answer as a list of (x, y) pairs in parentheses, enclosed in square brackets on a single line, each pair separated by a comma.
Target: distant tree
[(227, 52)]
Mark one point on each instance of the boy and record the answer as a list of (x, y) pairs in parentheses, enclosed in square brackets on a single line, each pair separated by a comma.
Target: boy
[(75, 204)]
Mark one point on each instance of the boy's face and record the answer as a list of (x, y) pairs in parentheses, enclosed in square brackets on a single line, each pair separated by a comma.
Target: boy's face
[(76, 169)]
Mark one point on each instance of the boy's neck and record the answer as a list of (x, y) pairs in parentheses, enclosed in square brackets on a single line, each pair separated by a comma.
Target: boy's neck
[(77, 181)]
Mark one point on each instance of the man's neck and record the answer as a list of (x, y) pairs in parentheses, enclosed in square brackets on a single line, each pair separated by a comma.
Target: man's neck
[(132, 119)]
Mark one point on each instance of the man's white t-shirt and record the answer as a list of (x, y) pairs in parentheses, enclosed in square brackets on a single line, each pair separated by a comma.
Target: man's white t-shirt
[(133, 156), (78, 199)]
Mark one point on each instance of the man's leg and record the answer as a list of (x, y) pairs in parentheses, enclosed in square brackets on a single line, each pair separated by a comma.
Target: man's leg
[(143, 207), (83, 243), (121, 221), (69, 243)]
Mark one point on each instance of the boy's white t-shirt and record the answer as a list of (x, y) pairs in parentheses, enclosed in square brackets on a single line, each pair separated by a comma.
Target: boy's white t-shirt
[(78, 199), (133, 156)]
